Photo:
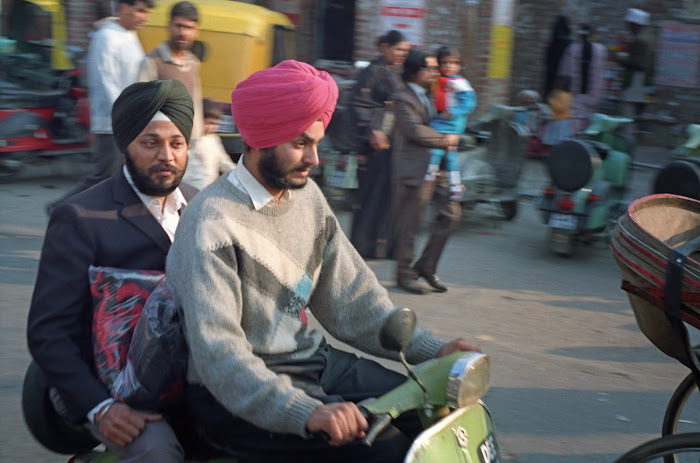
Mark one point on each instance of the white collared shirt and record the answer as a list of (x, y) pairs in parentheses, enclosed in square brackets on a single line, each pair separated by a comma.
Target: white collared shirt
[(169, 216), (422, 94), (242, 179)]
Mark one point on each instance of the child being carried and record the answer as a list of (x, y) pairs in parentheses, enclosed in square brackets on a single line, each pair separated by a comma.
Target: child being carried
[(454, 100)]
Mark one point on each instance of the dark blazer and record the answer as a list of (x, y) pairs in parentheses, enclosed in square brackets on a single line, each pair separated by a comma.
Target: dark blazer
[(106, 225), (412, 139)]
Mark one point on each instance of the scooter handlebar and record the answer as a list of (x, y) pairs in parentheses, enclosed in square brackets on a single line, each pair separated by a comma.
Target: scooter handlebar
[(378, 425)]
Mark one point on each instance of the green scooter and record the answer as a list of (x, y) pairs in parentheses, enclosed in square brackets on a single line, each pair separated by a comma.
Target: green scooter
[(447, 394), (445, 391), (589, 178)]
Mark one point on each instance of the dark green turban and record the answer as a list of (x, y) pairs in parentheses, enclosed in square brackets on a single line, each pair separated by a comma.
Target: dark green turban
[(134, 109)]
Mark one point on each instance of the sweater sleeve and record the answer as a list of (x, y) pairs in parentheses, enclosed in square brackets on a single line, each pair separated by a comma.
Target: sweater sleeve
[(208, 288), (352, 305)]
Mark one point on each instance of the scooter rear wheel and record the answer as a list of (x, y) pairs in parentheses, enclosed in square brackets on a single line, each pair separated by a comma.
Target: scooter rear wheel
[(46, 426), (509, 209)]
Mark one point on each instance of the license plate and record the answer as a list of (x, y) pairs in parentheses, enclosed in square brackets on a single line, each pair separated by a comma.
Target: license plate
[(488, 450), (563, 221)]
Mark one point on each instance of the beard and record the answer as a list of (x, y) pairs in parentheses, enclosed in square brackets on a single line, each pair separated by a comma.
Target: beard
[(275, 174), (180, 46), (147, 185)]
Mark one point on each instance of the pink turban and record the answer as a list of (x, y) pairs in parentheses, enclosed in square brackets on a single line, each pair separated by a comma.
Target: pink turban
[(277, 104)]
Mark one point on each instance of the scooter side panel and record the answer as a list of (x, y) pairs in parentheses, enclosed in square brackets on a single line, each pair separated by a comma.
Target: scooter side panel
[(465, 436)]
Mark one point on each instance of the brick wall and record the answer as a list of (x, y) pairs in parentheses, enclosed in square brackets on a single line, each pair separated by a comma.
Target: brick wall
[(532, 34), (445, 25)]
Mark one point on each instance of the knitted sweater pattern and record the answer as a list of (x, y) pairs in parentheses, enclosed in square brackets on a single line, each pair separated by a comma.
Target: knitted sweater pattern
[(245, 278)]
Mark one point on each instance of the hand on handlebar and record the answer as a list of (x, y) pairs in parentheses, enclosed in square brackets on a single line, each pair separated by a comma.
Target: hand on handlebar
[(342, 421), (121, 424), (458, 345)]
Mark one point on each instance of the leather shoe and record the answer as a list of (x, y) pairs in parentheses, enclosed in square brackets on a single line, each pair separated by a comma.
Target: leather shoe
[(433, 280), (410, 286)]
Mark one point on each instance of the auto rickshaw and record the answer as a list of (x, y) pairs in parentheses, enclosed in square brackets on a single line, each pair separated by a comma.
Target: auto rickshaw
[(43, 104)]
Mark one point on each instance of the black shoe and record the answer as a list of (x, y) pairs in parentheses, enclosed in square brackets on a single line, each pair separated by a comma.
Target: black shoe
[(410, 286), (433, 280)]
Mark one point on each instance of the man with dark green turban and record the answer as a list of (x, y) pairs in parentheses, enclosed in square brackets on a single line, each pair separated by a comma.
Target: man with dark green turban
[(127, 221)]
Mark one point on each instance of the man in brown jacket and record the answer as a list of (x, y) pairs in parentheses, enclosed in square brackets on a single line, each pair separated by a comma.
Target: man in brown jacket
[(173, 59), (413, 139)]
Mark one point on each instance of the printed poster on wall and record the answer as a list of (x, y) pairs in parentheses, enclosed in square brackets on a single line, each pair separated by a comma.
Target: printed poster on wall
[(406, 16), (678, 55)]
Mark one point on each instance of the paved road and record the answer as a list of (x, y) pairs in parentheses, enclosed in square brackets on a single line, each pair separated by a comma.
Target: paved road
[(573, 378)]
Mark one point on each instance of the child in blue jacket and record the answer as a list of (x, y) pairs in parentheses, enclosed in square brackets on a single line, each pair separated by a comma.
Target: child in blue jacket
[(454, 100)]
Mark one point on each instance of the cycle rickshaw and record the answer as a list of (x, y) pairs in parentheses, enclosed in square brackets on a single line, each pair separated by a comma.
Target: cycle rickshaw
[(657, 247)]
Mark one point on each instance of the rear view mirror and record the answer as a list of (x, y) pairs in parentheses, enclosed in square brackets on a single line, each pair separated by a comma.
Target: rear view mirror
[(398, 330)]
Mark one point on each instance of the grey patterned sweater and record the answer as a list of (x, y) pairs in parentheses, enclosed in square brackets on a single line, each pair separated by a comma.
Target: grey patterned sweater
[(245, 278)]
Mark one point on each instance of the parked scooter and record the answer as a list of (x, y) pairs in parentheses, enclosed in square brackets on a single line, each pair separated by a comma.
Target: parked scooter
[(589, 179), (446, 392), (491, 157), (681, 176)]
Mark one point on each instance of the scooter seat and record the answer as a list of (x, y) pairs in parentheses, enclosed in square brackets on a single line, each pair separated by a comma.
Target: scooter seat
[(572, 163), (679, 177)]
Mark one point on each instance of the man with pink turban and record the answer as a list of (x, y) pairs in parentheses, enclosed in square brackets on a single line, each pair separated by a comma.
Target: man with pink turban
[(254, 251)]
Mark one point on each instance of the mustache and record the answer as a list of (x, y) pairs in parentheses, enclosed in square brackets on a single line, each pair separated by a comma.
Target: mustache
[(159, 167), (302, 167)]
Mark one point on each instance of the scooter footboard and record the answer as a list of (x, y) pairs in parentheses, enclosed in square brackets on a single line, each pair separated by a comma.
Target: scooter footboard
[(464, 436)]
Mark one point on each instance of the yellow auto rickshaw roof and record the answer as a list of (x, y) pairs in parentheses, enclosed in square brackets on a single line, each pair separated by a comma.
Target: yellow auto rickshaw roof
[(48, 5), (224, 16)]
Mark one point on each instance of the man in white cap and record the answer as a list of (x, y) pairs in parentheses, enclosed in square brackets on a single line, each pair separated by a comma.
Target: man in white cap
[(637, 63)]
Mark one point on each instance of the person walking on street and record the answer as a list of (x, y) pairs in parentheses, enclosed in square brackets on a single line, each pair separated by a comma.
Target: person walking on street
[(371, 116), (254, 252), (128, 222), (173, 59), (584, 63), (637, 63), (558, 43), (413, 140), (113, 60)]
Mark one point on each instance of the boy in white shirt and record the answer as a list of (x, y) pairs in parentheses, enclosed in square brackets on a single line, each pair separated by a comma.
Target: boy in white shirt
[(208, 159)]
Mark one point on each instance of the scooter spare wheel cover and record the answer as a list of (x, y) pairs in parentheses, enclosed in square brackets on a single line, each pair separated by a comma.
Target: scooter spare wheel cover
[(571, 164)]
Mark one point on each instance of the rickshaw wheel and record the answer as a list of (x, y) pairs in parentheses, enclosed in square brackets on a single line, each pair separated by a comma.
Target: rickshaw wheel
[(680, 397), (665, 446)]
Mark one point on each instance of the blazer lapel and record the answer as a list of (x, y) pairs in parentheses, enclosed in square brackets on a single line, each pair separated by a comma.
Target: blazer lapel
[(135, 212), (423, 111)]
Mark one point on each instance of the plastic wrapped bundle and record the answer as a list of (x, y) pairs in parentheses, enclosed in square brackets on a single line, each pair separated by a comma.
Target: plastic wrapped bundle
[(154, 374), (118, 298)]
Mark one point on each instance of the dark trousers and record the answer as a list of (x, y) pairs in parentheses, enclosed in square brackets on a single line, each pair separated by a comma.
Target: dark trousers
[(410, 204), (330, 375), (371, 230), (107, 158)]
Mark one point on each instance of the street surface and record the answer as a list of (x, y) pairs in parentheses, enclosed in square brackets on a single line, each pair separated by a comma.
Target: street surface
[(573, 379)]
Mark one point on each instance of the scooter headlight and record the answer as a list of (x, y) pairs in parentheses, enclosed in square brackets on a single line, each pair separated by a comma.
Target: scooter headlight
[(469, 379)]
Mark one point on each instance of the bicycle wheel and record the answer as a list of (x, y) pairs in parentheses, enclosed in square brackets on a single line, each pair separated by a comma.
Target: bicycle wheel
[(682, 413), (662, 447)]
